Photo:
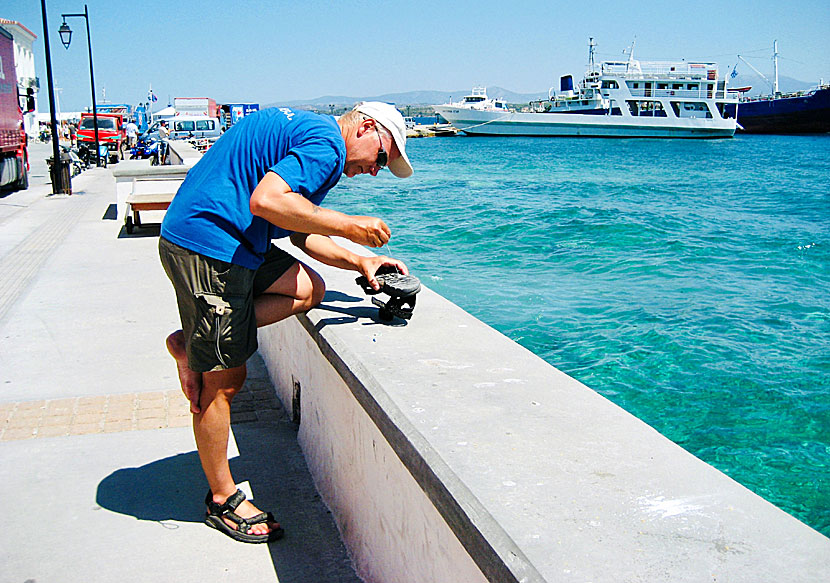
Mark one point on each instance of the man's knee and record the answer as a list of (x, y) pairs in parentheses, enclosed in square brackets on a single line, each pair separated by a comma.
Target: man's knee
[(311, 289), (225, 383), (318, 289)]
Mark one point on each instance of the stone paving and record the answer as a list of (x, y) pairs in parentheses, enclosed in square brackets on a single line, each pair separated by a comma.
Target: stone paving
[(256, 402)]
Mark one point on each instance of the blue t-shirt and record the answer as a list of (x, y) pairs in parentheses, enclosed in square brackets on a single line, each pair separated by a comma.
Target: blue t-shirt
[(211, 214)]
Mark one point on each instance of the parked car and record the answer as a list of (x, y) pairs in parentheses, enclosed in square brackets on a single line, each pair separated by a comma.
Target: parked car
[(185, 127)]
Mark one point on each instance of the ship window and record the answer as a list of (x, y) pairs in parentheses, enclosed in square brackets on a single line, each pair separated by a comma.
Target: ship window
[(697, 109), (646, 108), (610, 84)]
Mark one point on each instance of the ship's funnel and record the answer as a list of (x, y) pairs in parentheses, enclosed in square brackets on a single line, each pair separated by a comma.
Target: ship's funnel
[(566, 85)]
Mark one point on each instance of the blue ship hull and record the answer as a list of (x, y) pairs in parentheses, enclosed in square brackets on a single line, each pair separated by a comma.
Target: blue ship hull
[(791, 114)]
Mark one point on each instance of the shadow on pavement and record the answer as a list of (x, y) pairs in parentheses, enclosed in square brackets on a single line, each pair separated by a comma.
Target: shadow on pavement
[(366, 315), (163, 490), (111, 214), (270, 460), (145, 230)]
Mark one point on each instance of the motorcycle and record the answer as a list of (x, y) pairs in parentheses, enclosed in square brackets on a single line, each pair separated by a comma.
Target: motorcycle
[(87, 154), (75, 161), (145, 148)]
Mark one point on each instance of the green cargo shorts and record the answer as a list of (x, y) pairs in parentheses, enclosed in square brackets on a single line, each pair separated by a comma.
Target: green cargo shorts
[(216, 303)]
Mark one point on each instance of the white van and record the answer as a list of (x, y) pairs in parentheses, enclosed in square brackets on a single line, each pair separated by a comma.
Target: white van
[(186, 127)]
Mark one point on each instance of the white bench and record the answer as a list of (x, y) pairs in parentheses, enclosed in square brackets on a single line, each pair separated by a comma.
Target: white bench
[(145, 202), (142, 188)]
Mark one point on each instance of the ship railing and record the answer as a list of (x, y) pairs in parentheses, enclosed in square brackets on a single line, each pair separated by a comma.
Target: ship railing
[(661, 70), (689, 93), (793, 94)]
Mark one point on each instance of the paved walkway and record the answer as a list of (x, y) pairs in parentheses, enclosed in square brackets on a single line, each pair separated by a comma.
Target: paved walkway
[(98, 459)]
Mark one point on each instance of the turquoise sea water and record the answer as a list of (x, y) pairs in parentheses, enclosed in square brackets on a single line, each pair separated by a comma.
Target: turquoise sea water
[(687, 281)]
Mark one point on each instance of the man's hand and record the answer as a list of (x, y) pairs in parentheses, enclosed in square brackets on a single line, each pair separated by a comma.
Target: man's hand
[(368, 266), (369, 231)]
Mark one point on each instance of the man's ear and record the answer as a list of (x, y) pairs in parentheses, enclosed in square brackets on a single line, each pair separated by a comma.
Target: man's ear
[(365, 125)]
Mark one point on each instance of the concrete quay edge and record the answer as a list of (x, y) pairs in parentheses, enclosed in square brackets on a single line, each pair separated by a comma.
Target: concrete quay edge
[(490, 547), (562, 485)]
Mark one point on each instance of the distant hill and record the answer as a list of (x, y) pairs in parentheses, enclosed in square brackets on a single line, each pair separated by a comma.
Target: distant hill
[(761, 87), (423, 97)]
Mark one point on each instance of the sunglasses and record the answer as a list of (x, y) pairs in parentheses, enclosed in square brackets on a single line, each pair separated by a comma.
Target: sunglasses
[(383, 157)]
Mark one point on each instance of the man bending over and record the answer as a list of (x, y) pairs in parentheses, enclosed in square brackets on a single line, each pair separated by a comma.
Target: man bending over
[(262, 180)]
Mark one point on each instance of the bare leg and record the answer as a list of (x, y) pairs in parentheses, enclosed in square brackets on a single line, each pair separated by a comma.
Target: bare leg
[(297, 290), (190, 380), (211, 428)]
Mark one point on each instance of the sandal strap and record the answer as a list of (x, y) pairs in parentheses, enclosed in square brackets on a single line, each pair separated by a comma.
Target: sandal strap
[(231, 504), (235, 500), (243, 525), (260, 518)]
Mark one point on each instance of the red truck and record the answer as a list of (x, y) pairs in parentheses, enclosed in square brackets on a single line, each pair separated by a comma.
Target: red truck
[(14, 159), (111, 134)]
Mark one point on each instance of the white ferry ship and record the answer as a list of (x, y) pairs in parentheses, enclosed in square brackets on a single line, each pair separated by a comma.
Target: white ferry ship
[(617, 99)]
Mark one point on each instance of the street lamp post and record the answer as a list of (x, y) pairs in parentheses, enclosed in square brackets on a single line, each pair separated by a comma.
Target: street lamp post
[(66, 38), (57, 176)]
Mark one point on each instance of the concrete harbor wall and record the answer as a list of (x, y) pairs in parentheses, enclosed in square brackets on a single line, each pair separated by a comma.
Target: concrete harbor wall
[(448, 453)]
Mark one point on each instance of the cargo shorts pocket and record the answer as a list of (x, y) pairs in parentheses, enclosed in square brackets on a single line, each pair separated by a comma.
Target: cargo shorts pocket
[(223, 331)]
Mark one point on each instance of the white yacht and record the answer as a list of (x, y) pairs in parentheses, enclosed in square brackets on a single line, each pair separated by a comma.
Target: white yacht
[(615, 99), (477, 100)]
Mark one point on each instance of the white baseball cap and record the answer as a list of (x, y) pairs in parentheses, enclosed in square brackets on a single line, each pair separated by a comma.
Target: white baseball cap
[(389, 117)]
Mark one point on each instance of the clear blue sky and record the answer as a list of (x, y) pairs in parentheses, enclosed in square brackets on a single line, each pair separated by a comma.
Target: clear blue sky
[(282, 50)]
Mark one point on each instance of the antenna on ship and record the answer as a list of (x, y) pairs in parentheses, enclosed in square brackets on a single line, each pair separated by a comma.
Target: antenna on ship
[(774, 83), (775, 63), (591, 46), (630, 51)]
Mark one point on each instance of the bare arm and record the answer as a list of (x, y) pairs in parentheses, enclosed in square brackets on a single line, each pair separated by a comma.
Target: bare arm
[(274, 201), (325, 250)]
